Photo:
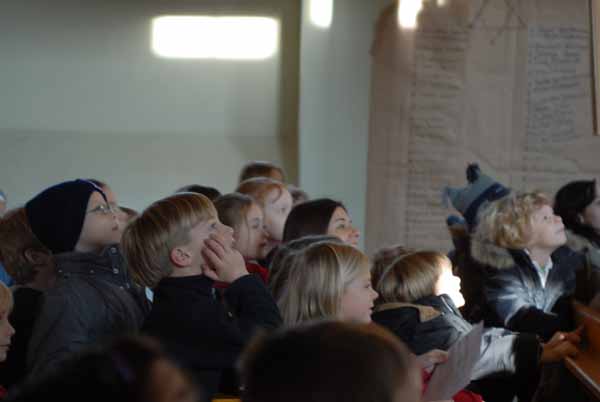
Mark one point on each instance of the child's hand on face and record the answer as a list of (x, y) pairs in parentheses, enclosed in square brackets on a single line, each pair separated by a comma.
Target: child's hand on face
[(222, 262)]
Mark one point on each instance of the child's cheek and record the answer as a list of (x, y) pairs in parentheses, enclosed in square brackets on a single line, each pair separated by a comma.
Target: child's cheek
[(269, 224)]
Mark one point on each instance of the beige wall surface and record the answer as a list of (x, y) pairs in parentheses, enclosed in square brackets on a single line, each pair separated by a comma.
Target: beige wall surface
[(335, 71), (82, 95), (505, 84)]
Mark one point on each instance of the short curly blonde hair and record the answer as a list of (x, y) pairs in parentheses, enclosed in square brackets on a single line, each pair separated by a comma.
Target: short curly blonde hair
[(507, 222)]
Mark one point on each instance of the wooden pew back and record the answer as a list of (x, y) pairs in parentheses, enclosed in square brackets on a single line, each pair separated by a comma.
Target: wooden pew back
[(586, 366)]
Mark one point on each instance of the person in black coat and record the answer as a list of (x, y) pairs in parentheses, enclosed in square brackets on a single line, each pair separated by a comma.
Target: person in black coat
[(578, 204), (79, 289), (178, 247), (528, 272), (418, 292)]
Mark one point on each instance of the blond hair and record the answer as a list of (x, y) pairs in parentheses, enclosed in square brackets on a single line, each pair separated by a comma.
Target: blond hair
[(386, 255), (17, 237), (6, 298), (507, 222), (149, 239), (259, 188), (316, 280), (409, 277)]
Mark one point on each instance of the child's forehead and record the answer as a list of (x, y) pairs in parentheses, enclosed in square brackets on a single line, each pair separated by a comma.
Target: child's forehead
[(274, 194), (254, 211), (206, 218), (97, 197), (339, 213), (543, 209)]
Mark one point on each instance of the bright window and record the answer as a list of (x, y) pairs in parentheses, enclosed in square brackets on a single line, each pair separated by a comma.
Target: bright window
[(321, 12), (223, 38), (408, 12)]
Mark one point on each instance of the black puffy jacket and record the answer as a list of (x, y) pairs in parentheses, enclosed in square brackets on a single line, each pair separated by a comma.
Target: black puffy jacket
[(513, 294), (434, 322), (92, 301)]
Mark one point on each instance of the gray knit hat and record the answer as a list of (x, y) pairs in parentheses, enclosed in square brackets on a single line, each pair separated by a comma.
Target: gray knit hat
[(481, 190)]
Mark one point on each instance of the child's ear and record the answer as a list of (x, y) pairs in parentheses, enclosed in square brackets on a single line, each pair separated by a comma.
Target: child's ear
[(180, 257), (36, 257)]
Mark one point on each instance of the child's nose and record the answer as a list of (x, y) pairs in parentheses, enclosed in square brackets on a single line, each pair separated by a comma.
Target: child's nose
[(11, 330), (374, 294), (226, 230)]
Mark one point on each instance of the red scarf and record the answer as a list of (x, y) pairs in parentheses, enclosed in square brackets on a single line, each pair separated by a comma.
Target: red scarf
[(461, 396)]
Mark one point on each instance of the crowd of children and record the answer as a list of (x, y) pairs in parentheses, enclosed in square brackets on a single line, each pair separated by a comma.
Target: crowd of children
[(263, 294)]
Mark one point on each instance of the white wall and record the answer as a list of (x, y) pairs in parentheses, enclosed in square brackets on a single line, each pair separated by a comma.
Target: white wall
[(334, 104), (81, 95)]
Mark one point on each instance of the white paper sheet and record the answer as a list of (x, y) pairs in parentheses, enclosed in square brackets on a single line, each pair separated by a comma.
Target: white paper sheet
[(450, 377)]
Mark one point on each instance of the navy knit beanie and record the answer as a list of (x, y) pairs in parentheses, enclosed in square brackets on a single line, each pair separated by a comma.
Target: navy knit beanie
[(56, 215)]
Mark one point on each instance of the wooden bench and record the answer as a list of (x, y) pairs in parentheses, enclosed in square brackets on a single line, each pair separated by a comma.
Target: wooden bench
[(586, 366)]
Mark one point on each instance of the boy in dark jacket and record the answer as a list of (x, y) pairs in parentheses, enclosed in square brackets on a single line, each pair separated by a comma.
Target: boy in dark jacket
[(93, 298), (178, 247), (418, 300), (529, 273)]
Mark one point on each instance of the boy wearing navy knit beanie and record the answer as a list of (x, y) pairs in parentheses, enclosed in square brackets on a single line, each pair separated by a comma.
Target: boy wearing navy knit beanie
[(93, 298)]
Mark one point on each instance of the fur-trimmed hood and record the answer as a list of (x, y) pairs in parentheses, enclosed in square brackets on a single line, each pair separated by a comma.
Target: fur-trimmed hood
[(486, 253), (581, 244), (577, 242), (426, 313)]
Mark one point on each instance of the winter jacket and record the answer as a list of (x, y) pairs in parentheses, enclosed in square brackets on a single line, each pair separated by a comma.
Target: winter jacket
[(434, 322), (92, 301), (205, 334), (513, 294)]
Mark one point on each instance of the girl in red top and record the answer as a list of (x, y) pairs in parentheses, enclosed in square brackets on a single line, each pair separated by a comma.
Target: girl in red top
[(244, 215)]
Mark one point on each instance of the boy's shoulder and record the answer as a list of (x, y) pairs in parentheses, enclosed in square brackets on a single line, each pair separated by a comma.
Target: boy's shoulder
[(183, 293)]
